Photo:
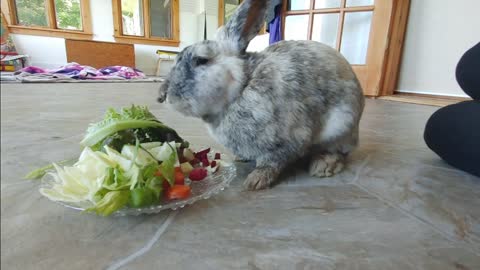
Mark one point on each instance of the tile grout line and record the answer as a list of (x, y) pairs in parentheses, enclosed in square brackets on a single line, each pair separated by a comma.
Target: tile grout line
[(116, 265), (448, 236)]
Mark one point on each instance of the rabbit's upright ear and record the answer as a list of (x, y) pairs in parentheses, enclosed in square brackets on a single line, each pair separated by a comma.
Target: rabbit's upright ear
[(244, 24)]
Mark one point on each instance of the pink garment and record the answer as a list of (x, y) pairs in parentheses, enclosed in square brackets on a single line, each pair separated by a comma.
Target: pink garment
[(79, 72)]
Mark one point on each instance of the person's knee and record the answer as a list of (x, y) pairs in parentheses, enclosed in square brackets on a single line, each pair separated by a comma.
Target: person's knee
[(453, 133), (467, 72)]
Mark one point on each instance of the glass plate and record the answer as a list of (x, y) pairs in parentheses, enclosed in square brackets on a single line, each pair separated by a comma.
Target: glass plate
[(204, 189)]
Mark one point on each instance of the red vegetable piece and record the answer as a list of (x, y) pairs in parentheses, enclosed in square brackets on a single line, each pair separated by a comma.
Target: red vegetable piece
[(202, 154), (198, 174), (178, 192), (217, 155), (179, 178), (205, 162), (213, 164), (165, 185)]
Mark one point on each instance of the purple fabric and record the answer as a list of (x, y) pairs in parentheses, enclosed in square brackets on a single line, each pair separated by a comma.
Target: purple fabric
[(275, 27), (76, 71)]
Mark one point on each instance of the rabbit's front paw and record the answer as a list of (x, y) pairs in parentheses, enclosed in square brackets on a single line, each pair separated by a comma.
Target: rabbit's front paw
[(261, 178), (326, 165)]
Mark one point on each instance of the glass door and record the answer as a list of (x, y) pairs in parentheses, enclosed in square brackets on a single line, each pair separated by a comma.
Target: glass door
[(359, 29)]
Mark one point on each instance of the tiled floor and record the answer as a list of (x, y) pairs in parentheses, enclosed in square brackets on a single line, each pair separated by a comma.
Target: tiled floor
[(396, 206)]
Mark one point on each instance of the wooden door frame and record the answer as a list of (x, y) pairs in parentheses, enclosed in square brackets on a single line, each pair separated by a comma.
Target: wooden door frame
[(384, 56)]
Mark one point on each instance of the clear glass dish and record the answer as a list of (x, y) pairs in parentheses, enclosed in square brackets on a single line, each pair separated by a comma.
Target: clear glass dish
[(201, 190)]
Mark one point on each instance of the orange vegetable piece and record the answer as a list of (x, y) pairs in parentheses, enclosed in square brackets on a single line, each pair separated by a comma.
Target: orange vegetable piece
[(178, 192)]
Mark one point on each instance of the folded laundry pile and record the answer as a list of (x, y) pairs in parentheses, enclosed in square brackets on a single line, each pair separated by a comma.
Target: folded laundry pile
[(75, 71)]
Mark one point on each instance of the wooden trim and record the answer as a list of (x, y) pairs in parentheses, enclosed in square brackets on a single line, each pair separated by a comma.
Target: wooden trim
[(221, 12), (341, 22), (11, 15), (397, 38), (176, 20), (310, 21), (378, 46), (423, 99), (117, 19), (147, 41), (86, 16), (38, 31), (51, 14), (284, 12), (147, 29)]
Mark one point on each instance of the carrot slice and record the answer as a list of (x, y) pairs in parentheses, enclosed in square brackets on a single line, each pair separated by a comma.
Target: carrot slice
[(178, 192), (179, 178)]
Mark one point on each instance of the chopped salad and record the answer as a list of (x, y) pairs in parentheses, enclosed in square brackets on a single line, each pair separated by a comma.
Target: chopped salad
[(130, 159)]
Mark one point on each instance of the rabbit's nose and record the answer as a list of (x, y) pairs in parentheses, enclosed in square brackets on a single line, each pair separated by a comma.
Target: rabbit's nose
[(161, 99)]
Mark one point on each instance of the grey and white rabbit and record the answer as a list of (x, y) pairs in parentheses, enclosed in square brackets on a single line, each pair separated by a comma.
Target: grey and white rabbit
[(294, 99)]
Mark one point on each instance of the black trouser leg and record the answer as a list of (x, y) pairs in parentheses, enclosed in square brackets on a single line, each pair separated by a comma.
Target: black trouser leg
[(468, 72), (453, 132)]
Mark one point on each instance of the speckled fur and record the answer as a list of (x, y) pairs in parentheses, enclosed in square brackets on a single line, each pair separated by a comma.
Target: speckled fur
[(294, 98)]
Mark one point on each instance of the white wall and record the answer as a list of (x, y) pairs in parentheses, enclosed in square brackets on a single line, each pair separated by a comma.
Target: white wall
[(438, 34), (50, 52)]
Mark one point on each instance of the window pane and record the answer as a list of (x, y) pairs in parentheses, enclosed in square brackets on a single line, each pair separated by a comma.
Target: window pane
[(31, 12), (296, 27), (325, 28), (132, 17), (230, 7), (359, 3), (298, 4), (161, 18), (356, 32), (327, 4), (68, 14)]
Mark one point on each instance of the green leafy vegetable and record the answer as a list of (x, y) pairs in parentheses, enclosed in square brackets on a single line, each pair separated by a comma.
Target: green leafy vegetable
[(116, 180), (155, 185), (128, 118), (141, 196), (167, 168), (111, 202), (40, 172)]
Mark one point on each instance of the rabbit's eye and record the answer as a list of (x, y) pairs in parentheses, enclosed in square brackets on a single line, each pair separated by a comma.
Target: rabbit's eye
[(199, 61)]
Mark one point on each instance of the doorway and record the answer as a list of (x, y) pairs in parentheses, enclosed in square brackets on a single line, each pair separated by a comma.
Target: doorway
[(369, 33)]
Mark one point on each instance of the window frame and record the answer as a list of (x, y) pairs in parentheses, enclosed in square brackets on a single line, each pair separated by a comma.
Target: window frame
[(52, 29), (311, 11), (147, 38)]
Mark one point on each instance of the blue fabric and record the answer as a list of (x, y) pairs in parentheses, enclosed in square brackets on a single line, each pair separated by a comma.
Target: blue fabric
[(271, 11), (275, 26)]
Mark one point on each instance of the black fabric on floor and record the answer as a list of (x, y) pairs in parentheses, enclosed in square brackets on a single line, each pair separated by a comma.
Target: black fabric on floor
[(453, 132)]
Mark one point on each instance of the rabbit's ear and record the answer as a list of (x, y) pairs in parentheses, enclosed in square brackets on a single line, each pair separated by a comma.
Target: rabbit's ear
[(244, 24)]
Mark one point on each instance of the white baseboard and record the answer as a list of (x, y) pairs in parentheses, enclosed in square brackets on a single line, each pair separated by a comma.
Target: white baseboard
[(431, 93)]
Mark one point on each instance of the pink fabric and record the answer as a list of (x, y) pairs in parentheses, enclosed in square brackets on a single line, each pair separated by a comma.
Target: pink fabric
[(79, 72)]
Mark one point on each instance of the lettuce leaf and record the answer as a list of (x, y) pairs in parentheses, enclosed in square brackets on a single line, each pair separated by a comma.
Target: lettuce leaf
[(81, 181), (113, 121), (40, 172), (111, 202), (167, 168)]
